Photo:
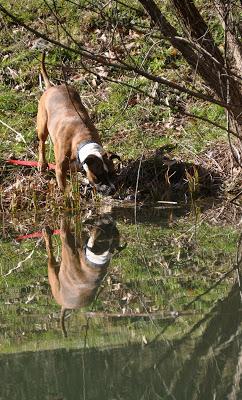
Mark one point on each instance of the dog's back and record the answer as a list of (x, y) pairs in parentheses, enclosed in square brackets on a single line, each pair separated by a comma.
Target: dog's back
[(81, 269), (76, 140), (67, 118)]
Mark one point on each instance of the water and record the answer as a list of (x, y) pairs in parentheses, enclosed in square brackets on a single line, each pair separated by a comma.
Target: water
[(152, 298)]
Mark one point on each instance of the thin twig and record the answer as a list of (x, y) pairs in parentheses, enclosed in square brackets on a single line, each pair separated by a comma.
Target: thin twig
[(158, 101), (236, 197), (19, 135), (118, 66), (136, 188), (19, 265)]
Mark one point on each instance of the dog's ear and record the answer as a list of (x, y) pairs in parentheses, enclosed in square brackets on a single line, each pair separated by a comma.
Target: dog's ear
[(94, 168), (90, 160), (94, 163)]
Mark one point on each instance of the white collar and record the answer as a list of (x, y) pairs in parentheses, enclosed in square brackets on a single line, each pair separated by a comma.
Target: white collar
[(99, 259), (90, 149)]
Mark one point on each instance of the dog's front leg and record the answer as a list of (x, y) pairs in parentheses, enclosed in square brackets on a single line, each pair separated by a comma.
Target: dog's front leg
[(47, 234), (42, 131), (53, 266), (60, 176), (62, 164), (42, 160)]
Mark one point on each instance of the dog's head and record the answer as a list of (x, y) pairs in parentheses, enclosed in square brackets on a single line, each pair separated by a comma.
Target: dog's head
[(99, 167), (103, 235), (101, 173), (103, 240)]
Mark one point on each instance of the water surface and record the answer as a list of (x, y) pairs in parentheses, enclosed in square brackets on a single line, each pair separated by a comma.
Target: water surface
[(156, 312)]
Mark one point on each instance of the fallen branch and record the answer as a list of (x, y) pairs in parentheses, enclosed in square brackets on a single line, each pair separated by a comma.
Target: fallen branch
[(19, 265), (19, 135)]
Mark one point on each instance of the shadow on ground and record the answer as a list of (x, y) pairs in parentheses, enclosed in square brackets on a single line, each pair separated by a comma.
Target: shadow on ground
[(160, 177), (154, 177)]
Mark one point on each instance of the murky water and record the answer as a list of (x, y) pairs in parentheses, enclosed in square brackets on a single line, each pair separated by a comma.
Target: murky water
[(120, 303)]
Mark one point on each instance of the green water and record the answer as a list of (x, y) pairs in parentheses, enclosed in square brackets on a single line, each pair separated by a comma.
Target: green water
[(162, 320)]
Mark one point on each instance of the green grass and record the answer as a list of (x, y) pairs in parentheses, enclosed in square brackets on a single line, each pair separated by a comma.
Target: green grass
[(192, 263), (197, 135), (162, 269), (164, 266), (129, 122)]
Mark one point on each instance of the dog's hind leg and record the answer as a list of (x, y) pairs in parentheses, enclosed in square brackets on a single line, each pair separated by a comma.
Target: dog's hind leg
[(42, 135)]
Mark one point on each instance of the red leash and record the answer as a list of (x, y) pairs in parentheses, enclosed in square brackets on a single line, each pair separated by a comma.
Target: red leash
[(28, 163), (35, 235), (31, 164)]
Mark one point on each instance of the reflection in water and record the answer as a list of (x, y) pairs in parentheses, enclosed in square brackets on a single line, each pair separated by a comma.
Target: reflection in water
[(75, 280), (212, 369), (184, 358), (197, 366)]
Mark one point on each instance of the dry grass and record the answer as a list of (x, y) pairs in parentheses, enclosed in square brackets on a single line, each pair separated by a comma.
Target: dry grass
[(162, 177), (155, 176)]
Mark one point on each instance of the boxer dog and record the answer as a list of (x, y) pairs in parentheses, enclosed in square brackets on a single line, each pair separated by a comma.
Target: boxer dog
[(62, 115), (75, 280)]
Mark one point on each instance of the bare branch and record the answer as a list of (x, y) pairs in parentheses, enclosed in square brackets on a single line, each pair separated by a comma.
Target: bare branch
[(206, 69), (197, 28), (159, 101), (19, 265), (234, 46), (118, 66)]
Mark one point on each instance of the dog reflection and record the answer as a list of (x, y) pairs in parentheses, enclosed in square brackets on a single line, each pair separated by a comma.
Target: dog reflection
[(75, 280)]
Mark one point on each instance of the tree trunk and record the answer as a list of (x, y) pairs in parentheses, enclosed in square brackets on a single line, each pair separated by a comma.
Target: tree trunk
[(202, 54), (233, 59), (209, 68), (197, 28), (233, 45)]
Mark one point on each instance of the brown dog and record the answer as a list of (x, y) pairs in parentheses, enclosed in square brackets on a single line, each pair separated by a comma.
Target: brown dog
[(75, 280), (62, 115)]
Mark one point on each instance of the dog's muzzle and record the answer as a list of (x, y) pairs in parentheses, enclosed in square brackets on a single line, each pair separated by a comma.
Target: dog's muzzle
[(106, 190)]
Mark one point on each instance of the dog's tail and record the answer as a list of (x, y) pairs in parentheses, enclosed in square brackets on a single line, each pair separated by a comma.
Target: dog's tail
[(62, 321), (44, 72)]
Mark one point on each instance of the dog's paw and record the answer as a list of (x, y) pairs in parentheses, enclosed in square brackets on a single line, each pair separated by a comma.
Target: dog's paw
[(42, 166), (47, 232), (65, 224)]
